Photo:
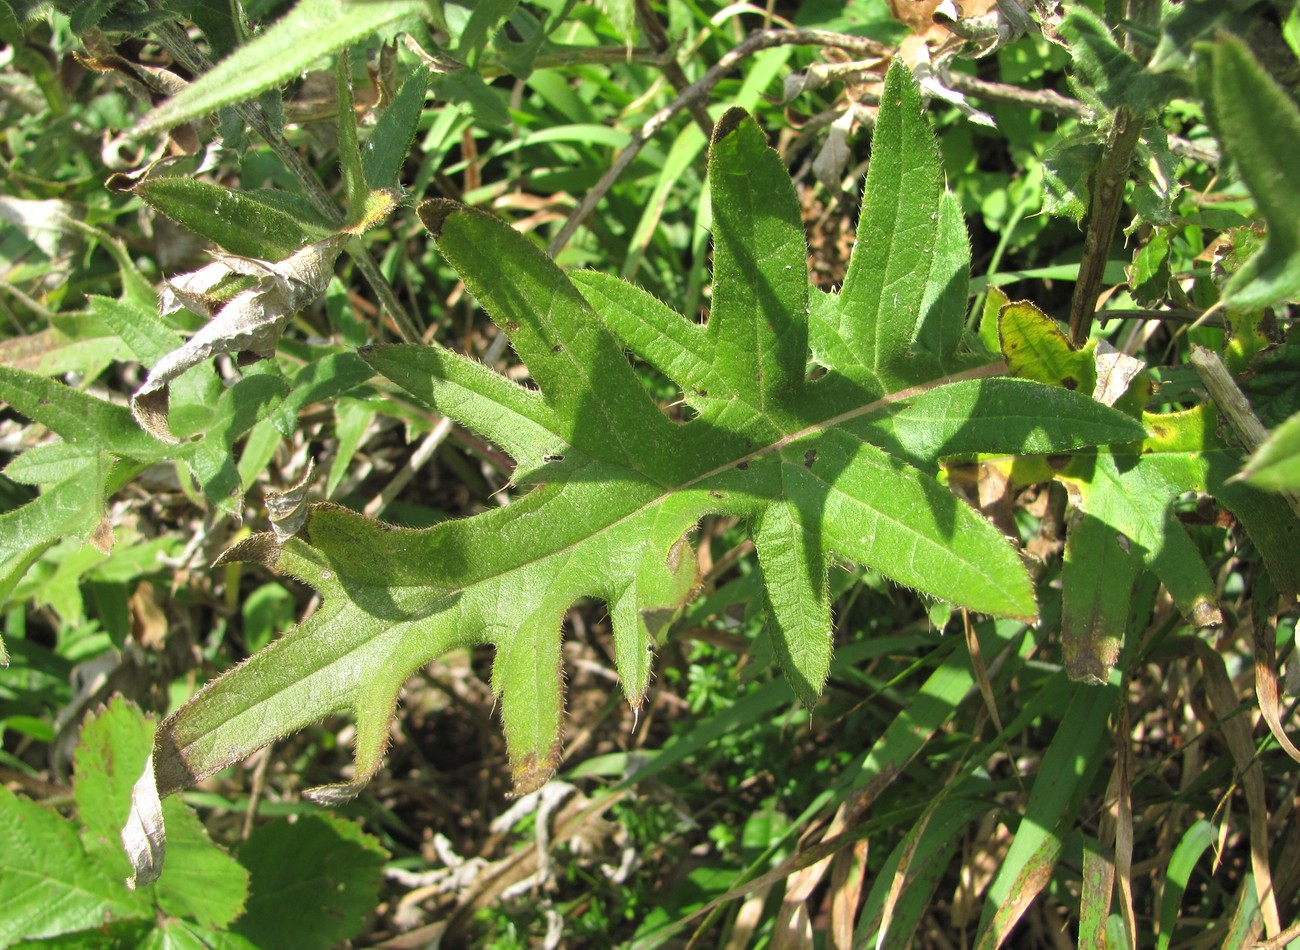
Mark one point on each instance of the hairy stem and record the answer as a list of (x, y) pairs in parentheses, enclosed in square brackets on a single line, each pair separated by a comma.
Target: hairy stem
[(1107, 200)]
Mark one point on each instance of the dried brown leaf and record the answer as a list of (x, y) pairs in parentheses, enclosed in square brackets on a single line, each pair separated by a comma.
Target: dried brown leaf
[(252, 321)]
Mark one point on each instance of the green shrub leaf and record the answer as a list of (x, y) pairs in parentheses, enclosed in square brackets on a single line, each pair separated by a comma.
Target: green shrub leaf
[(386, 149), (326, 868), (254, 224)]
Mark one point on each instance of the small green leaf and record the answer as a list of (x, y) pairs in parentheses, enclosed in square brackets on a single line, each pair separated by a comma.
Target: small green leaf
[(145, 335), (204, 884), (74, 506), (325, 868), (50, 463), (1035, 348), (1150, 277), (473, 25), (240, 222), (240, 407), (386, 149), (994, 301), (1259, 126), (1106, 76), (1198, 839), (313, 29), (1067, 175), (75, 415), (1276, 463), (467, 88)]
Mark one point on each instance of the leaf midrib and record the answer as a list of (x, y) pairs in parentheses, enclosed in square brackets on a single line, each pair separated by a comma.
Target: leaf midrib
[(525, 562)]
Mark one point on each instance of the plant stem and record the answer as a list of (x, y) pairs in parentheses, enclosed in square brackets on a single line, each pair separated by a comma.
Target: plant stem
[(695, 92), (671, 69), (1107, 200), (1050, 101)]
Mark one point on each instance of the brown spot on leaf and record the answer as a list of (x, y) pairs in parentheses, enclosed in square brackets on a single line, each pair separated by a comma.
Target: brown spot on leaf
[(730, 121), (1205, 614), (434, 213), (809, 457), (260, 548), (531, 773)]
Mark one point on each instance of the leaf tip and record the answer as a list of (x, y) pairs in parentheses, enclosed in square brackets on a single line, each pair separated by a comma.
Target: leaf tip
[(731, 120), (532, 772), (149, 406), (434, 213), (260, 548)]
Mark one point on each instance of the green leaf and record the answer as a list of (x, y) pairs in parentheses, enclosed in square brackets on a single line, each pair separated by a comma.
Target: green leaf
[(1097, 588), (211, 457), (9, 30), (467, 88), (1067, 175), (146, 336), (472, 25), (894, 318), (205, 883), (73, 506), (1035, 348), (48, 885), (1259, 127), (76, 416), (841, 466), (1063, 779), (1105, 76), (310, 31), (1198, 839), (386, 149), (326, 869), (1276, 463), (248, 223)]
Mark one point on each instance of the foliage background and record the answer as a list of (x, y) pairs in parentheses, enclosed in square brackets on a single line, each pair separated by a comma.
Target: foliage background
[(937, 789)]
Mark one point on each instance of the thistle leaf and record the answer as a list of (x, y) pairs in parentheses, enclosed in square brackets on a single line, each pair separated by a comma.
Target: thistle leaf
[(838, 467)]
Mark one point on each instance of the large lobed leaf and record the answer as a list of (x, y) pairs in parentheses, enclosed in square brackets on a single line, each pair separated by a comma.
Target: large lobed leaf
[(836, 464)]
